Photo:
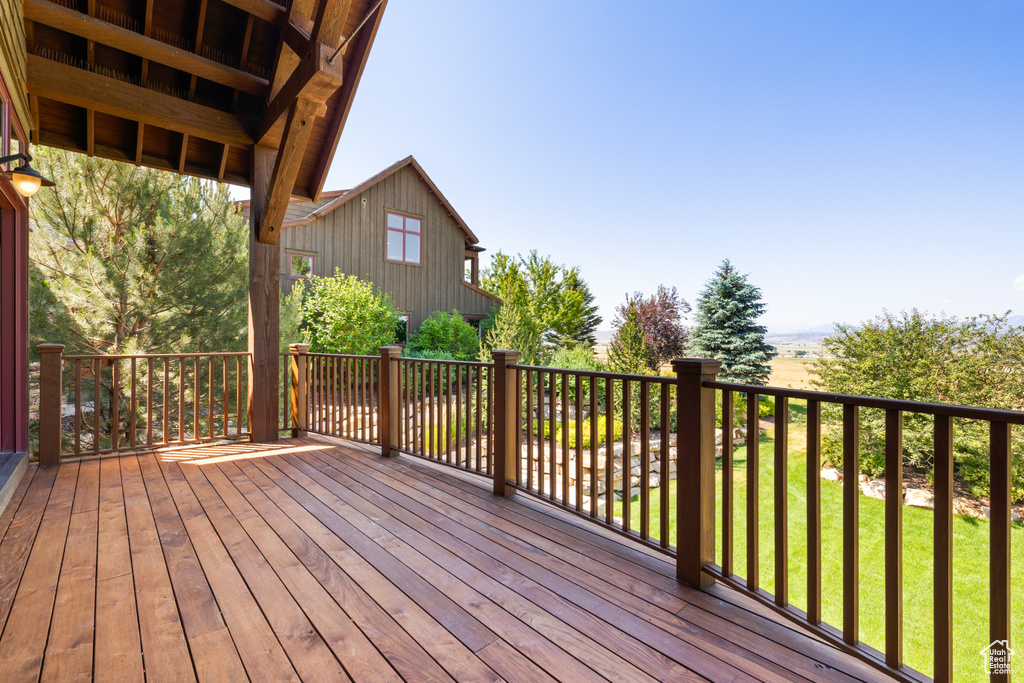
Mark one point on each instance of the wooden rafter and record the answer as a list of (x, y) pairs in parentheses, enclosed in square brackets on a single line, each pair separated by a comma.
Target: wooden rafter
[(315, 79), (97, 30), (286, 167), (88, 90), (262, 9)]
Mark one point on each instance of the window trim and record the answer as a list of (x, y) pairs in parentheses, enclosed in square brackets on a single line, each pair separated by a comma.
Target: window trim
[(405, 233), (291, 265)]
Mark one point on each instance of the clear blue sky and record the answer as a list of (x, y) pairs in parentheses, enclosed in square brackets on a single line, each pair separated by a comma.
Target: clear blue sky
[(850, 156)]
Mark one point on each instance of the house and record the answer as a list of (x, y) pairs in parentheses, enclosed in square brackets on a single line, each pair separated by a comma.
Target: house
[(396, 230)]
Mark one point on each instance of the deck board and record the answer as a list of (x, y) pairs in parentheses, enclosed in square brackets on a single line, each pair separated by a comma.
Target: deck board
[(318, 561)]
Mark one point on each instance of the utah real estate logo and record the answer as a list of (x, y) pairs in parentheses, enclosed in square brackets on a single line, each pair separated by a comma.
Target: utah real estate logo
[(997, 657)]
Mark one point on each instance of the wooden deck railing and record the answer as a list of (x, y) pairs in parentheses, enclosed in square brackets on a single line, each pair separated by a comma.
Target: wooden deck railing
[(130, 402), (848, 636)]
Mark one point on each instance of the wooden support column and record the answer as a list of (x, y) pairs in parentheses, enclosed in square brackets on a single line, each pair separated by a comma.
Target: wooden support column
[(264, 307), (695, 479), (505, 445), (50, 367), (388, 411), (300, 389)]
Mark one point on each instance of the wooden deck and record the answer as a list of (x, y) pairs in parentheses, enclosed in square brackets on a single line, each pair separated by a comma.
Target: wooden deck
[(316, 561)]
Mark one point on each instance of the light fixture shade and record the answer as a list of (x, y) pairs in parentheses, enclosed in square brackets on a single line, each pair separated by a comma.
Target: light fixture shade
[(27, 180)]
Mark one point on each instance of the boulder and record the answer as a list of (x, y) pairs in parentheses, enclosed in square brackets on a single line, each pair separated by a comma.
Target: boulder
[(919, 498), (874, 489), (831, 474)]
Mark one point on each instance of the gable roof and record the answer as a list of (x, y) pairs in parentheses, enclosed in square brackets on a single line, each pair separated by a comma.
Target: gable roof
[(332, 200)]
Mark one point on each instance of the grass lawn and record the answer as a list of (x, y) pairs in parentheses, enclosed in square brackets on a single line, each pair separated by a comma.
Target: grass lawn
[(970, 560)]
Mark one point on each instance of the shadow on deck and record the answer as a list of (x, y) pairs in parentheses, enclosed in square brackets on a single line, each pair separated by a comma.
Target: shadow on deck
[(316, 560)]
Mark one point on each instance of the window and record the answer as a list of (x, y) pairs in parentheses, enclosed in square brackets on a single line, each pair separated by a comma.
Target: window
[(301, 265), (402, 329), (403, 238)]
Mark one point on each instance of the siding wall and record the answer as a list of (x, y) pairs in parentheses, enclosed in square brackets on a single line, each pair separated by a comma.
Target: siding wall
[(12, 59), (353, 239)]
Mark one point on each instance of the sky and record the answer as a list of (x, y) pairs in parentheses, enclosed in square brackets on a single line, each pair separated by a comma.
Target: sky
[(850, 156)]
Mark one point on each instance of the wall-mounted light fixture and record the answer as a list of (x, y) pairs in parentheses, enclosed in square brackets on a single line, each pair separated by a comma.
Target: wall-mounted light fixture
[(26, 180)]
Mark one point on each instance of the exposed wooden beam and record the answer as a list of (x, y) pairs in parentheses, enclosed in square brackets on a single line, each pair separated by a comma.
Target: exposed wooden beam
[(329, 21), (139, 138), (92, 29), (355, 60), (263, 9), (184, 153), (198, 43), (295, 38), (90, 132), (147, 30), (88, 90), (286, 167), (314, 80), (223, 163), (34, 108)]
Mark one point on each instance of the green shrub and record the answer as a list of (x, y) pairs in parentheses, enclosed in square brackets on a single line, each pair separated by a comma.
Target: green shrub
[(343, 314), (445, 333), (602, 425)]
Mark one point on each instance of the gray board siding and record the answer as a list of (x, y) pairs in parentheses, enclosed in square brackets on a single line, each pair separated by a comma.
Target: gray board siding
[(353, 238)]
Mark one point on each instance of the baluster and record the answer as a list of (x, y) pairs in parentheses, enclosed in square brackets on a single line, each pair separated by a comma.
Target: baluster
[(97, 406), (447, 377), (728, 478), (645, 458), (814, 511), (209, 378), (594, 437), (149, 401), (115, 418), (578, 406), (519, 428), (78, 407), (627, 455), (196, 396), (609, 450), (181, 399), (781, 501), (851, 524), (666, 458), (564, 470), (132, 419), (753, 484), (999, 600), (894, 538), (530, 424), (458, 416), (943, 551), (224, 414)]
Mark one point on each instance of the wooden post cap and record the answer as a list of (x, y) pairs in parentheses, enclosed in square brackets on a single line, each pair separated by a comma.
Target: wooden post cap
[(510, 357), (696, 366), (392, 351), (298, 348), (50, 348)]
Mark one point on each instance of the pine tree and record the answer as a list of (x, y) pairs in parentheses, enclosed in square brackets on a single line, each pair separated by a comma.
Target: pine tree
[(125, 259), (726, 330), (628, 352), (578, 326)]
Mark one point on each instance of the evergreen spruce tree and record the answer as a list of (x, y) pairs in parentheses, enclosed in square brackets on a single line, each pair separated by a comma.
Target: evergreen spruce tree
[(125, 259), (577, 327), (726, 330)]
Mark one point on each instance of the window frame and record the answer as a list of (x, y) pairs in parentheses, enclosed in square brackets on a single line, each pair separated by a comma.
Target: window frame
[(291, 265), (405, 235)]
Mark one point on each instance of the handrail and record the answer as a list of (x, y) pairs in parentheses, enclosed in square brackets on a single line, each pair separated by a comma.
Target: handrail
[(947, 409)]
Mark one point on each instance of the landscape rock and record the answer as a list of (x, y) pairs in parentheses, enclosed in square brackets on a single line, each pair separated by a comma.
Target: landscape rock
[(864, 478), (920, 498), (874, 489), (831, 474), (961, 506)]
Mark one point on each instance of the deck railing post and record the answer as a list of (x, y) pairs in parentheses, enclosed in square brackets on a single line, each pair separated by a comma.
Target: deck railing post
[(51, 363), (300, 405), (695, 469), (388, 412), (505, 446)]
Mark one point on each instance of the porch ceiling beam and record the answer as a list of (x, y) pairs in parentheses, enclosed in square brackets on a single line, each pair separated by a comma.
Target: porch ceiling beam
[(314, 80), (56, 81), (329, 20), (298, 126), (90, 28), (263, 9)]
